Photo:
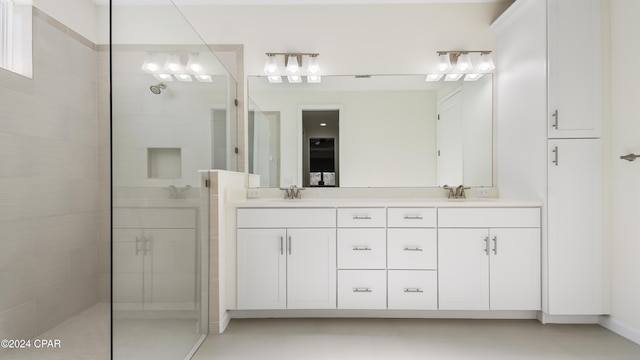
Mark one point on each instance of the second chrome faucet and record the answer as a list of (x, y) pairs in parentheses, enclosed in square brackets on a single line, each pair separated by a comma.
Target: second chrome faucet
[(456, 192)]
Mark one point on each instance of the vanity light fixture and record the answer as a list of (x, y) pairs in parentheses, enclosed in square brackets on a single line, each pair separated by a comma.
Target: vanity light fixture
[(457, 63), (293, 68)]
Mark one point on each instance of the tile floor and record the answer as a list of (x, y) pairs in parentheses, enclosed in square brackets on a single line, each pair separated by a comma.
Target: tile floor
[(405, 339), (82, 337), (86, 337)]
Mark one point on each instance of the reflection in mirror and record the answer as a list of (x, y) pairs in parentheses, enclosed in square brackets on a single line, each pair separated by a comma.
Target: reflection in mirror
[(390, 134)]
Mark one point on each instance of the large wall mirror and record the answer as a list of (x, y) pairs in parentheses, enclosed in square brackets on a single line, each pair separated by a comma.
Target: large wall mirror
[(371, 131)]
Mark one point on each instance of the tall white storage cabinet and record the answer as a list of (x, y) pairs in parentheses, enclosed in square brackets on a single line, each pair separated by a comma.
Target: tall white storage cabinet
[(548, 86)]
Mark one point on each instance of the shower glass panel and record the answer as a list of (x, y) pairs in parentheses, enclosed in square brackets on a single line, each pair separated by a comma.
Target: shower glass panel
[(172, 116)]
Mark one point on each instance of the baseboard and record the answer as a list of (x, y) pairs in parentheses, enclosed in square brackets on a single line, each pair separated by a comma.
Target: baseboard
[(567, 319), (400, 314), (224, 322), (620, 328)]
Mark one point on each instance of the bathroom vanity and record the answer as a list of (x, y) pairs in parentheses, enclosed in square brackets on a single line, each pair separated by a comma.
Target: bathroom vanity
[(388, 254)]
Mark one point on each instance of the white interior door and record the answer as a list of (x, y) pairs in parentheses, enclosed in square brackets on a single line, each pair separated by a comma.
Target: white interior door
[(449, 137)]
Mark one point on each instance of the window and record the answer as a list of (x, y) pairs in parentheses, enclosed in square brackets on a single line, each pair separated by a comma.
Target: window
[(15, 36)]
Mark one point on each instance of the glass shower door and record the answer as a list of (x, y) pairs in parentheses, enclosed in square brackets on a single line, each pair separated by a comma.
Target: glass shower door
[(169, 91)]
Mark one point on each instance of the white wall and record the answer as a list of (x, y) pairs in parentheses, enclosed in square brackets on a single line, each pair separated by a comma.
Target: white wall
[(79, 15), (625, 176), (388, 138), (351, 39)]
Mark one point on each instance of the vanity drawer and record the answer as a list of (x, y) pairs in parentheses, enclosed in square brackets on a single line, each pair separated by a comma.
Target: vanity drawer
[(362, 249), (411, 217), (362, 217), (286, 218), (413, 289), (489, 217), (362, 289), (412, 249)]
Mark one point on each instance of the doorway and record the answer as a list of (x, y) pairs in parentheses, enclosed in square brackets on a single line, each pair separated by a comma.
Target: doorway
[(320, 150)]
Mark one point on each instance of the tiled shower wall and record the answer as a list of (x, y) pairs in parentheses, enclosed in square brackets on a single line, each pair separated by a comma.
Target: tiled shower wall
[(50, 187)]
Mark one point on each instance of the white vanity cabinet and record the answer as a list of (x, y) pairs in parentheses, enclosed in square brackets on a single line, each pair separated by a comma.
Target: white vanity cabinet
[(412, 259), (286, 258), (489, 259), (154, 251), (362, 258)]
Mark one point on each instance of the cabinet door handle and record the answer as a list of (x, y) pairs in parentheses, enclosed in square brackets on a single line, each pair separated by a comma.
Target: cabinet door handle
[(495, 245), (555, 157), (413, 217), (555, 119), (413, 290), (412, 249), (281, 245), (362, 290), (138, 249), (289, 244), (361, 217), (361, 248), (486, 245)]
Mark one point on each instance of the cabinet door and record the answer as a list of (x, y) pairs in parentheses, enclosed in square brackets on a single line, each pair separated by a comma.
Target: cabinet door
[(128, 269), (574, 244), (311, 269), (463, 269), (262, 266), (515, 269), (574, 85)]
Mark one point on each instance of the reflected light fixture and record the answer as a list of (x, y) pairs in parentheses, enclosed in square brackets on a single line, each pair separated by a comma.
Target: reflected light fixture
[(151, 63), (453, 65), (193, 64), (293, 65), (173, 67), (173, 64)]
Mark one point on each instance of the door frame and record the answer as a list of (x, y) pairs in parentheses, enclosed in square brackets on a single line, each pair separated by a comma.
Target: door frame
[(300, 127)]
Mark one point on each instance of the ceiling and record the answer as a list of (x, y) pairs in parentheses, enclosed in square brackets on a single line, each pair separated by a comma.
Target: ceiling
[(287, 2)]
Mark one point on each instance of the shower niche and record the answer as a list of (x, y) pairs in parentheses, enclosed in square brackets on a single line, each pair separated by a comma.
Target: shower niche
[(164, 163)]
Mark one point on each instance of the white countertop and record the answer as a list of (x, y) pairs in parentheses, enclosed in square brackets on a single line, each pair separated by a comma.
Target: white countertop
[(385, 202)]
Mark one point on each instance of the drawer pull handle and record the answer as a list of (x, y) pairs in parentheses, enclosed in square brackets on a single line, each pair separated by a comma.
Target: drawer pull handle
[(412, 249), (363, 248), (361, 217), (413, 290), (413, 217), (362, 290)]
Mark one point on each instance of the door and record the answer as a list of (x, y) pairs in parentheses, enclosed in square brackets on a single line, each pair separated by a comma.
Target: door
[(515, 269), (449, 138), (575, 226), (311, 268), (262, 266), (574, 87), (463, 269)]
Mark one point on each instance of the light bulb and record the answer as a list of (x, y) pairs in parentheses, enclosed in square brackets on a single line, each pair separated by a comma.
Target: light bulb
[(271, 66), (313, 67), (151, 63), (464, 63), (293, 68), (486, 63), (173, 64), (434, 77), (444, 63), (193, 64)]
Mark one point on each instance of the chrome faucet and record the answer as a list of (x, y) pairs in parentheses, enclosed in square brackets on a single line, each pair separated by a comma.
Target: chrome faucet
[(292, 192), (456, 192)]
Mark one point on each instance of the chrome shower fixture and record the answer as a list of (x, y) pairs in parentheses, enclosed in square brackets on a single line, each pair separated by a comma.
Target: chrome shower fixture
[(157, 89)]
